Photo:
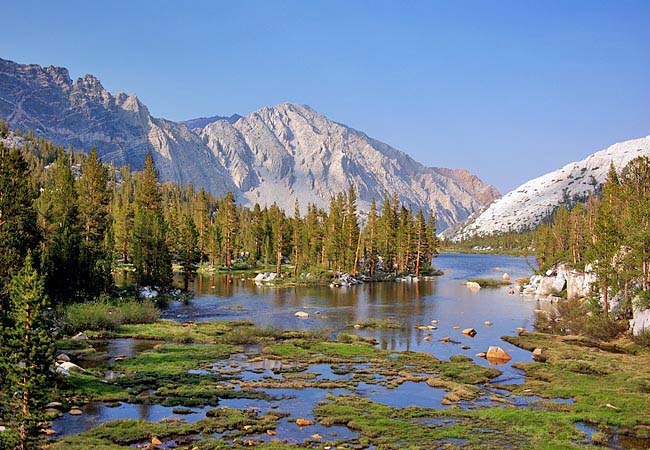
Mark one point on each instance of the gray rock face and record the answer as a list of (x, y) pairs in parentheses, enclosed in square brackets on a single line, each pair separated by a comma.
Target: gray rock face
[(289, 151), (276, 154), (640, 321)]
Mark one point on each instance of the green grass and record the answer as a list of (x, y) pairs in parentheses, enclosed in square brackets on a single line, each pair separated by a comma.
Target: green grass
[(107, 314)]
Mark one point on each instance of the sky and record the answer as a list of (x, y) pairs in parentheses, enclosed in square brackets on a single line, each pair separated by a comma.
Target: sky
[(509, 90)]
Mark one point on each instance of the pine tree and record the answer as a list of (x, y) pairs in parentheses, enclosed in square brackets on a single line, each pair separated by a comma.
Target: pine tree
[(32, 354), (151, 255), (371, 232), (608, 241), (59, 221), (122, 212), (420, 240), (188, 249), (229, 217), (93, 197)]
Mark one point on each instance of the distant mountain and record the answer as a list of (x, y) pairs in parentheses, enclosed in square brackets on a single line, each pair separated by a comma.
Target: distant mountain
[(276, 154), (201, 122), (532, 202)]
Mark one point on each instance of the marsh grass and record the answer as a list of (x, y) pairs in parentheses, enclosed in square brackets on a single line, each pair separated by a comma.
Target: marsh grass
[(107, 314)]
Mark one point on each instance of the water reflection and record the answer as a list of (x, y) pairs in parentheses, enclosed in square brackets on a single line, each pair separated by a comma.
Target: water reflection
[(445, 298)]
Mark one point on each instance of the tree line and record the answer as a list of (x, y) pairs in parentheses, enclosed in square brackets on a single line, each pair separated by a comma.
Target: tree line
[(609, 233), (68, 221)]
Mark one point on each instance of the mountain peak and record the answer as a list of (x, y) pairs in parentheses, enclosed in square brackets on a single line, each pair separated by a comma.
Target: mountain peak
[(274, 155)]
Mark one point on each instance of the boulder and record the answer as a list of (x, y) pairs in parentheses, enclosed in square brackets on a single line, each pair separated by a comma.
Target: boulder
[(155, 441), (505, 277), (75, 411), (497, 353), (64, 368), (148, 292), (471, 332), (301, 314), (304, 422), (79, 337), (473, 286), (539, 355), (640, 321), (63, 357), (54, 405)]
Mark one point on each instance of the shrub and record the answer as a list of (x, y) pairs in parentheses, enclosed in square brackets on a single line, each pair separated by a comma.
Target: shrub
[(643, 338), (107, 315)]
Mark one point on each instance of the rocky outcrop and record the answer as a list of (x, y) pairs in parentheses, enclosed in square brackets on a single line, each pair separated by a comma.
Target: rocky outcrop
[(276, 154), (640, 321), (279, 153), (532, 202)]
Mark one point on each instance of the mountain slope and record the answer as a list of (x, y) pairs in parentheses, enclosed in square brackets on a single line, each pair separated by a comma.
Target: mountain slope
[(530, 203), (276, 154)]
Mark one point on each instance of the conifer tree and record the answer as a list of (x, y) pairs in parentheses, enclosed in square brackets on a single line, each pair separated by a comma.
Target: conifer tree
[(31, 350), (188, 249), (151, 255), (59, 221), (93, 196), (229, 217)]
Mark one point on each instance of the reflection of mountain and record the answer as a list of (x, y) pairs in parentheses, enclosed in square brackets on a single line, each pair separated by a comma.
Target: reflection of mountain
[(276, 154)]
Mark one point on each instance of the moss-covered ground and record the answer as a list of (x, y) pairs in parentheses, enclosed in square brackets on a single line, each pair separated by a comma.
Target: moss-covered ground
[(199, 364)]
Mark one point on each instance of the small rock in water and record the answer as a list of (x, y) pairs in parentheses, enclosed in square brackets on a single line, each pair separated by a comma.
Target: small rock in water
[(304, 422), (488, 323), (481, 355), (75, 411), (473, 286), (456, 327), (48, 432), (301, 314), (316, 436), (54, 405), (427, 338), (445, 339), (465, 347), (471, 332), (155, 441), (505, 277)]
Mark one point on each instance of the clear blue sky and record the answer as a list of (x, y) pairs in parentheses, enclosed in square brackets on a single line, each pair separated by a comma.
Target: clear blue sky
[(507, 89)]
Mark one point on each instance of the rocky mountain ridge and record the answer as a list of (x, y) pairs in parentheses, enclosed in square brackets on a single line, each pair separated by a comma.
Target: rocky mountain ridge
[(275, 154), (533, 201)]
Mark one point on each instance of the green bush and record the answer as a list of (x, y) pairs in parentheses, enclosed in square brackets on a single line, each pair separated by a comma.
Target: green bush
[(107, 315), (603, 327)]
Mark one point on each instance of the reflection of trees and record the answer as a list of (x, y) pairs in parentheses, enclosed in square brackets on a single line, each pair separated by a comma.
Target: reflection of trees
[(144, 411)]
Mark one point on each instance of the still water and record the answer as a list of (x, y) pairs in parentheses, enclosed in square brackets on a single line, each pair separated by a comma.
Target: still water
[(444, 298)]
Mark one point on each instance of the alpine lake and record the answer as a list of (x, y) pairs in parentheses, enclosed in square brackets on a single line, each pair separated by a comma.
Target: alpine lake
[(377, 365)]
